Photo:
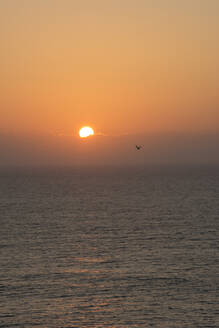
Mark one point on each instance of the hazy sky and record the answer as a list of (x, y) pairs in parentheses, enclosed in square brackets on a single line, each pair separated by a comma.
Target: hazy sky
[(122, 66)]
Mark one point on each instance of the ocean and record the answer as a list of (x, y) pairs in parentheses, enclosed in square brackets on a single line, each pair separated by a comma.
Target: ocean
[(109, 247)]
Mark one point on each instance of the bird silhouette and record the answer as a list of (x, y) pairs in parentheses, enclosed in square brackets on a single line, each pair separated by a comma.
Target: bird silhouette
[(138, 147)]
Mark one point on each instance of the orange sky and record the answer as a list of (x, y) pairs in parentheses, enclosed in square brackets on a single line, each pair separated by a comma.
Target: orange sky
[(128, 68), (121, 66)]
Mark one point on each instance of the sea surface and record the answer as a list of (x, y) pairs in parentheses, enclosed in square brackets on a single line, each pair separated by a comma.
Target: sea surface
[(109, 247)]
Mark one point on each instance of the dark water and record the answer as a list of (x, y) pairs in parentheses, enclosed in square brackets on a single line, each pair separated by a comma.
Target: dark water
[(109, 248)]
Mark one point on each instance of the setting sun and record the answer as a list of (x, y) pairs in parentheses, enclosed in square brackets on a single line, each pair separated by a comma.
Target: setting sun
[(86, 131)]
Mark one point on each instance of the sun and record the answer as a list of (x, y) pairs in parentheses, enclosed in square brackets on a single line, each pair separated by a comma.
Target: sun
[(86, 131)]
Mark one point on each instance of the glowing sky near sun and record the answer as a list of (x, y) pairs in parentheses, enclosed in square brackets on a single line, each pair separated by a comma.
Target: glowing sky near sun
[(122, 67)]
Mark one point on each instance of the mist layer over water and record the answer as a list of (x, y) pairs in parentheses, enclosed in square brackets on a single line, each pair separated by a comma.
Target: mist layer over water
[(109, 247)]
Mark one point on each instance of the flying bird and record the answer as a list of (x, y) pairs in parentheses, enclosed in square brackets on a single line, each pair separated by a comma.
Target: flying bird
[(138, 147)]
